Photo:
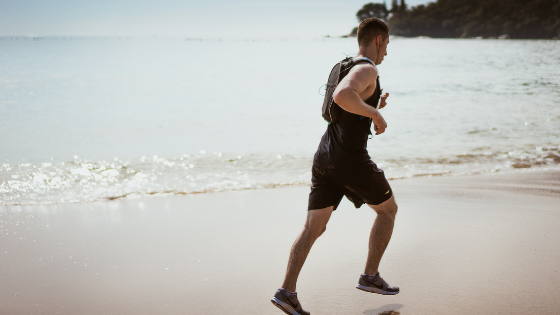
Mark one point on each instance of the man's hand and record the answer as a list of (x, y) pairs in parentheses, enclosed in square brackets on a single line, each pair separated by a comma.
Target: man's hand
[(383, 101), (379, 124)]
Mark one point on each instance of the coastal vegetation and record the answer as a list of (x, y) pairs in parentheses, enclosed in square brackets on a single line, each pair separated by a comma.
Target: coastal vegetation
[(469, 18)]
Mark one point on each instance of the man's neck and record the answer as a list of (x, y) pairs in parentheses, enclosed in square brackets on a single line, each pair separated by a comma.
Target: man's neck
[(371, 56)]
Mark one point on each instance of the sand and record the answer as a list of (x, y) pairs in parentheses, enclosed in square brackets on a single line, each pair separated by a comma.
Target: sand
[(473, 244)]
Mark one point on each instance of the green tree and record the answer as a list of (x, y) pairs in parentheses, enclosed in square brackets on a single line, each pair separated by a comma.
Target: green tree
[(395, 6), (473, 18), (378, 10), (403, 6)]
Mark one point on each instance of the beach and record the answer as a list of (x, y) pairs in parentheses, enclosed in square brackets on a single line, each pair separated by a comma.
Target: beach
[(465, 244)]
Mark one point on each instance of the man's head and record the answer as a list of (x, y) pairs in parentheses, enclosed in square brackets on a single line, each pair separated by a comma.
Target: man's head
[(373, 37)]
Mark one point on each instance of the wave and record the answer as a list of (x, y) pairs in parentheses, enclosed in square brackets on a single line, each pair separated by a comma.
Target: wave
[(82, 180)]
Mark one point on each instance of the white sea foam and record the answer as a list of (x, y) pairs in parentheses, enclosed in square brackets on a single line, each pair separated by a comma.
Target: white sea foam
[(81, 180)]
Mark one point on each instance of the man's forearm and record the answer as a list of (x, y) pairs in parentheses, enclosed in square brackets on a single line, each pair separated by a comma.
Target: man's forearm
[(350, 101)]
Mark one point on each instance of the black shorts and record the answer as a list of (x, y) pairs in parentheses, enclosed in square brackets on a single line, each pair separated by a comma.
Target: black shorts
[(363, 183)]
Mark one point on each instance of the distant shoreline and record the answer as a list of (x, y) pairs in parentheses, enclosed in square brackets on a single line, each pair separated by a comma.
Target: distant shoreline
[(25, 38), (474, 37)]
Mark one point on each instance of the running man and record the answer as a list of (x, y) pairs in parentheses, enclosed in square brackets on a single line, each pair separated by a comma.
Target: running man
[(342, 167)]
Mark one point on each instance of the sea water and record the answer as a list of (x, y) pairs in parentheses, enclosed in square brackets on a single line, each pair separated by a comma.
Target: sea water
[(87, 119)]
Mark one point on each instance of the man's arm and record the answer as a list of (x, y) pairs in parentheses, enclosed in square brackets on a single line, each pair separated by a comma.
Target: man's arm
[(347, 94)]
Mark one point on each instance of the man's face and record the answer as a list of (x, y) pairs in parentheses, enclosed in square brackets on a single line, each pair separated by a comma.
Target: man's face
[(382, 52)]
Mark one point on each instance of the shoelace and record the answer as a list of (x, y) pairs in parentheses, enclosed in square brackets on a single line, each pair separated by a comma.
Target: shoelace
[(296, 303), (384, 284)]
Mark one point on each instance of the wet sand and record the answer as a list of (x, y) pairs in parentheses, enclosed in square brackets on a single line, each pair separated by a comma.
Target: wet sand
[(476, 244)]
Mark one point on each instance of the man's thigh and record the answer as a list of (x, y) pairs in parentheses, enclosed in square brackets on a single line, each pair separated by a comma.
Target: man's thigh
[(324, 192)]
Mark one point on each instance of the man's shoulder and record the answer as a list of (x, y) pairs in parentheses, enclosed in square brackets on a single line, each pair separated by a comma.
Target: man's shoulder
[(365, 69), (366, 66)]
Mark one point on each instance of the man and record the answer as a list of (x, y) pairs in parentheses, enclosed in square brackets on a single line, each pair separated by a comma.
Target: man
[(342, 167)]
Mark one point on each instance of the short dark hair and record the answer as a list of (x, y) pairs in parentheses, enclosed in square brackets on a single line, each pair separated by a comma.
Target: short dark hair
[(369, 29)]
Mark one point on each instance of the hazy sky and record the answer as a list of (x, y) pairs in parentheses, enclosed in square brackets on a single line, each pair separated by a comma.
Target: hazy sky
[(210, 18)]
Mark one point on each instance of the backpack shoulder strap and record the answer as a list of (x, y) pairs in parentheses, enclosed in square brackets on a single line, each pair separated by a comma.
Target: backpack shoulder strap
[(364, 59)]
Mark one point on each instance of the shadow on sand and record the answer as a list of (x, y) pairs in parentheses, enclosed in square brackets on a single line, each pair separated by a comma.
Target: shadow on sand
[(389, 309)]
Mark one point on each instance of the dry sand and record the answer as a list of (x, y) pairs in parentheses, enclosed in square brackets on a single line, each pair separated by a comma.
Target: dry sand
[(477, 244)]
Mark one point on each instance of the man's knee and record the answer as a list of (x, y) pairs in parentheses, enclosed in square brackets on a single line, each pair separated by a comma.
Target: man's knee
[(316, 223), (388, 208), (392, 211), (315, 230), (322, 230)]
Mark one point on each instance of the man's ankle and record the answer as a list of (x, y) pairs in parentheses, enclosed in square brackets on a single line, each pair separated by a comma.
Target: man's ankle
[(289, 289)]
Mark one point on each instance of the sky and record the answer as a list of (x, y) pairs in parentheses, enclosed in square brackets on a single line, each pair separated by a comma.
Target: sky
[(186, 18)]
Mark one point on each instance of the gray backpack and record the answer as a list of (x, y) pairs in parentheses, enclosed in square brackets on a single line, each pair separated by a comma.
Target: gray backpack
[(331, 110)]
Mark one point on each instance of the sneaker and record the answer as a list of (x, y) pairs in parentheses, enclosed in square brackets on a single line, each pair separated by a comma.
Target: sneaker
[(376, 284), (288, 302)]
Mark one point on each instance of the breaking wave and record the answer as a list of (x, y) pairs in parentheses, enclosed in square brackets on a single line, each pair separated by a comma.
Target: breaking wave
[(82, 180)]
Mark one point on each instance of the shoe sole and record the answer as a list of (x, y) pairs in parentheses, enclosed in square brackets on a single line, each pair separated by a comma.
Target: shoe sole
[(284, 307), (375, 290)]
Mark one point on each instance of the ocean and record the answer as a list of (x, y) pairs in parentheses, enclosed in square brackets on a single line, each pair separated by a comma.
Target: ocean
[(86, 119)]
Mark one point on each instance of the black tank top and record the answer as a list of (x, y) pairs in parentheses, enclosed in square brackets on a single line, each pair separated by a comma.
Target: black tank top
[(345, 142)]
